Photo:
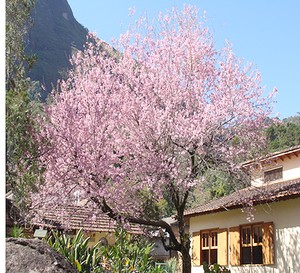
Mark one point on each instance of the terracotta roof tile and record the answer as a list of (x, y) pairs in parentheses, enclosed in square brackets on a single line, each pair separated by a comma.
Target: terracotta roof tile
[(271, 192), (76, 217)]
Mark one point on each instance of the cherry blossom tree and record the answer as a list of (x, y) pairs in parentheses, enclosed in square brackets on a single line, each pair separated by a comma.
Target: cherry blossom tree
[(153, 119)]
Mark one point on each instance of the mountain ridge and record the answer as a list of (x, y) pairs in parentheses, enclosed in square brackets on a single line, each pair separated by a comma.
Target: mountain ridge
[(54, 35)]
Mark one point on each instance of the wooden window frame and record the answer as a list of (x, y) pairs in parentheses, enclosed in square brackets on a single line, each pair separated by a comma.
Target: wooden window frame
[(221, 246), (250, 238), (268, 243), (211, 244)]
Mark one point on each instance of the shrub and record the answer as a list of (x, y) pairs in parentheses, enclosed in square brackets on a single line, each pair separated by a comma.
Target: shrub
[(215, 268), (76, 250), (172, 265), (128, 254)]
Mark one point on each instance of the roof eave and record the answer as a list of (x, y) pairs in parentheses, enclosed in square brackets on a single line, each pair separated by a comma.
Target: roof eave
[(240, 205)]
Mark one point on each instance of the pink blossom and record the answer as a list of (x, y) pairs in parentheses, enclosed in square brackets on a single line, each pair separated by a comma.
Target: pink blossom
[(151, 118)]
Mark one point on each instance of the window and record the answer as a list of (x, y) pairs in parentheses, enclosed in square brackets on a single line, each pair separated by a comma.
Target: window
[(251, 244), (209, 247), (273, 175)]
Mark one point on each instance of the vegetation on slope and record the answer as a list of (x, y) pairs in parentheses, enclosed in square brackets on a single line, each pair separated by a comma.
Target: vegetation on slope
[(22, 170), (284, 134)]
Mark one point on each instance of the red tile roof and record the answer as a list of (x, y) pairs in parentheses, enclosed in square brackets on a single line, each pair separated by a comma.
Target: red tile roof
[(271, 192), (76, 217)]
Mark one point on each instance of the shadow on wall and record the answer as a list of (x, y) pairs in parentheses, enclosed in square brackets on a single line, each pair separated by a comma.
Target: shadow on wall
[(288, 250), (286, 254)]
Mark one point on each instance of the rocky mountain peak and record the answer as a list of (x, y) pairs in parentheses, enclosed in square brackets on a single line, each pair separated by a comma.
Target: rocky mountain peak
[(54, 35)]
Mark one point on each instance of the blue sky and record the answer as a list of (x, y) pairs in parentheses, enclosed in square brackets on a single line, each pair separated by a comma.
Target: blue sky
[(264, 32)]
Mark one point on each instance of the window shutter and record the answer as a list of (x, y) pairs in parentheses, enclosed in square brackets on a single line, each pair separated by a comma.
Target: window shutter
[(235, 249), (222, 247), (268, 243), (196, 248)]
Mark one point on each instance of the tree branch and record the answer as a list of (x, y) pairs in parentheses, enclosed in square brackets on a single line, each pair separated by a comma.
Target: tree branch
[(174, 244)]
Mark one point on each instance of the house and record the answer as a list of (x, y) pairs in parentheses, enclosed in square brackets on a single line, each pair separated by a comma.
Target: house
[(161, 255), (256, 229), (95, 224)]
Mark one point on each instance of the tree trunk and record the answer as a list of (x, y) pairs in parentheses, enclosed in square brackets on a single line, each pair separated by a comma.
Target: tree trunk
[(183, 247), (186, 261)]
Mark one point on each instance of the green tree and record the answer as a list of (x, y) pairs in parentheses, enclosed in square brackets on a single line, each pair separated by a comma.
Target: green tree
[(22, 170), (284, 134), (217, 184), (17, 25)]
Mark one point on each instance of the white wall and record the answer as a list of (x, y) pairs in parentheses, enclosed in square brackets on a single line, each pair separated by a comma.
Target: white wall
[(290, 168), (286, 218)]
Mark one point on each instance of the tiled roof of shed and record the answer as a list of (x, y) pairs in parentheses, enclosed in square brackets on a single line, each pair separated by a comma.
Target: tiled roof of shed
[(76, 217), (271, 192)]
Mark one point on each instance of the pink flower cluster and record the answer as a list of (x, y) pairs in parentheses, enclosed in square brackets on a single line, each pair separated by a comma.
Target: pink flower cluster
[(151, 118)]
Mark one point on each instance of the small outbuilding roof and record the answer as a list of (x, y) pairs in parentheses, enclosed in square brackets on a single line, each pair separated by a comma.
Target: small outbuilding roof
[(250, 196), (77, 217)]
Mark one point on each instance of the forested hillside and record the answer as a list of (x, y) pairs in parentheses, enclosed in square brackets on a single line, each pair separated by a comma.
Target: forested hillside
[(284, 134)]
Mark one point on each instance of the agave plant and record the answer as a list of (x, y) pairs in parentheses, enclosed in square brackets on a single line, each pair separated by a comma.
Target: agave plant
[(127, 255), (172, 265), (76, 250), (16, 232)]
